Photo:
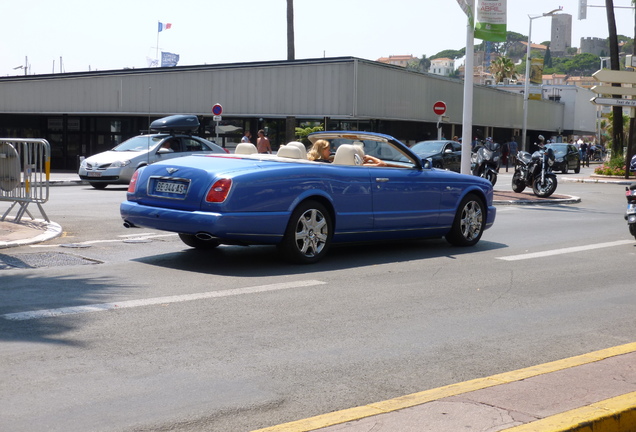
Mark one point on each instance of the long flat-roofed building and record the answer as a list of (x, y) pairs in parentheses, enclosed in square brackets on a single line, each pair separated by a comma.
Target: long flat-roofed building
[(88, 112)]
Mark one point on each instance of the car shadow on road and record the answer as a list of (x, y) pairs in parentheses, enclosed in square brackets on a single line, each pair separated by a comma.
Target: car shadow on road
[(259, 261)]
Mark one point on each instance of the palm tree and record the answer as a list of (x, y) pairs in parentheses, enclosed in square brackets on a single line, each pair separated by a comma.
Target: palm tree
[(617, 127), (291, 55), (501, 68), (290, 122)]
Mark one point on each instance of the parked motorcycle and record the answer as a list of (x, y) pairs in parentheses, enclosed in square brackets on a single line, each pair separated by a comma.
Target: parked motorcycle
[(535, 171), (630, 214), (485, 161)]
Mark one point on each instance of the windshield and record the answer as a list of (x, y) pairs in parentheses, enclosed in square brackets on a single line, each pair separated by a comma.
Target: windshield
[(428, 147), (140, 143), (559, 150)]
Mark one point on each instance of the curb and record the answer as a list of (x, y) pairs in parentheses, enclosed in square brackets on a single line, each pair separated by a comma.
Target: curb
[(617, 414), (48, 231), (569, 199), (600, 179)]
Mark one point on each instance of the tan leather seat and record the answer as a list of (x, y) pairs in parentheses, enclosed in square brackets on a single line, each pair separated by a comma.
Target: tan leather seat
[(346, 154), (301, 146), (245, 148), (291, 152)]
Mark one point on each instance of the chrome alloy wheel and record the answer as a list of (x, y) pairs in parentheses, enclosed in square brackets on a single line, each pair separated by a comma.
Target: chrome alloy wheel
[(312, 232), (471, 221)]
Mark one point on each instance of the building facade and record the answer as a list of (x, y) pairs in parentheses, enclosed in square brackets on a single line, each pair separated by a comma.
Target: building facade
[(81, 114)]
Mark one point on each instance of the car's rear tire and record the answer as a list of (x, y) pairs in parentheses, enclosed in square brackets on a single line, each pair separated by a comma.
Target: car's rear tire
[(308, 234), (198, 243), (98, 185), (469, 223)]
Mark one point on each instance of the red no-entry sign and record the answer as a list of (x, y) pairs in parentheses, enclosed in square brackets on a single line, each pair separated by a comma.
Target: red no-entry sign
[(439, 108)]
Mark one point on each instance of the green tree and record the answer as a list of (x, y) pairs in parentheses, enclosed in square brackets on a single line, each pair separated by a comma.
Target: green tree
[(547, 59), (617, 124), (451, 54)]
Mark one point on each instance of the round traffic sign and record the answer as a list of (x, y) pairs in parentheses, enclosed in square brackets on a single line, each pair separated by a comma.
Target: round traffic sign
[(439, 108), (217, 109)]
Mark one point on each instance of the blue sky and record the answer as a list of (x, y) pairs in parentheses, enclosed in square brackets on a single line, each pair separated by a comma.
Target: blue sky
[(119, 34)]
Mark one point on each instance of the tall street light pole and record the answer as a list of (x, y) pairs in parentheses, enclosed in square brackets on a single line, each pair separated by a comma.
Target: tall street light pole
[(526, 87)]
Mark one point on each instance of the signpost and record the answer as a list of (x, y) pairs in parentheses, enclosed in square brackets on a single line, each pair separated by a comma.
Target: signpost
[(614, 101), (626, 79), (217, 110), (614, 76), (439, 108)]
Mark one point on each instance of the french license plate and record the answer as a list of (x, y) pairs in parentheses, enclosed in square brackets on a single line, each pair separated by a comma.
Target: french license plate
[(94, 174), (171, 187)]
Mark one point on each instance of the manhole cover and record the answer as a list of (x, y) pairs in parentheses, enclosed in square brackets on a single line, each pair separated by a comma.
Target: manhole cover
[(75, 245), (44, 259)]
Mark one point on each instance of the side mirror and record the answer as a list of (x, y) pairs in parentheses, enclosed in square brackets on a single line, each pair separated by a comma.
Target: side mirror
[(427, 163)]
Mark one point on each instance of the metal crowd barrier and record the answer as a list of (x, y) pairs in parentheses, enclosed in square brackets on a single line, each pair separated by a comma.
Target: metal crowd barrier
[(25, 169)]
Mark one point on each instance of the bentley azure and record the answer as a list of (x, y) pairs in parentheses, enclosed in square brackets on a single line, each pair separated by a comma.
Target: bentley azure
[(304, 206)]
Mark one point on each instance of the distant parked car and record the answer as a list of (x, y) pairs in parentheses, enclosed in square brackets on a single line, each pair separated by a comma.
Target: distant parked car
[(118, 165), (567, 158), (444, 154)]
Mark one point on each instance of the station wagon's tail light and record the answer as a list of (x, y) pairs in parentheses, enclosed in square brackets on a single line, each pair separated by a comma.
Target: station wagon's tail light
[(133, 182), (219, 190)]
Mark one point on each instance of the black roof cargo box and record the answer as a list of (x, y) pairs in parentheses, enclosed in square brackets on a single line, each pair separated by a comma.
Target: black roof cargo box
[(176, 123)]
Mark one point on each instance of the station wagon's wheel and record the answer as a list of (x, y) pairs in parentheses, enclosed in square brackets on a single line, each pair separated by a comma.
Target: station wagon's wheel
[(308, 234), (469, 222), (198, 243)]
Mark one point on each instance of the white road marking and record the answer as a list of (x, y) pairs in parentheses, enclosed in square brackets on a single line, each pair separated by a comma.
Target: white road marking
[(564, 250), (48, 313), (147, 236)]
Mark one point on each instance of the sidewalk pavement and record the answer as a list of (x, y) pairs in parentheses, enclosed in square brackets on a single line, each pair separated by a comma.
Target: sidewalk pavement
[(593, 392)]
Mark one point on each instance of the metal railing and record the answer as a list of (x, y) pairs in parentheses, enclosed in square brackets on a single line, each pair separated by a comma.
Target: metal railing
[(25, 169)]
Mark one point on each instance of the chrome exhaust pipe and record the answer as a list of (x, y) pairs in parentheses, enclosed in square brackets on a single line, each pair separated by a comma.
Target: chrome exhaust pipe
[(129, 224), (204, 236)]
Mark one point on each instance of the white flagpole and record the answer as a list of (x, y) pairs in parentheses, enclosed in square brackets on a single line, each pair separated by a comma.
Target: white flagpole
[(467, 116), (157, 47)]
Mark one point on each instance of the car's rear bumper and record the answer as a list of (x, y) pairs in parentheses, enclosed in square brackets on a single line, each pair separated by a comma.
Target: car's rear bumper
[(263, 229)]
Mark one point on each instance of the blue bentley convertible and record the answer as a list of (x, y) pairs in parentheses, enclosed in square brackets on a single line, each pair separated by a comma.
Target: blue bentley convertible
[(304, 206)]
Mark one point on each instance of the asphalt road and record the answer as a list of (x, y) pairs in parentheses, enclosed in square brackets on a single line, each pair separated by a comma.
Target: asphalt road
[(234, 339)]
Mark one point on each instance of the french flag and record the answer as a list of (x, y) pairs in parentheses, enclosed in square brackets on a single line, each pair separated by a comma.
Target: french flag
[(163, 26)]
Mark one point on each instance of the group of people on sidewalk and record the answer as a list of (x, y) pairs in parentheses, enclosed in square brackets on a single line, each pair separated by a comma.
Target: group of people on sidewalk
[(262, 142)]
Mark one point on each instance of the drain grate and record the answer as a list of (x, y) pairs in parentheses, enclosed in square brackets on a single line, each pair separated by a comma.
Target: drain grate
[(44, 259)]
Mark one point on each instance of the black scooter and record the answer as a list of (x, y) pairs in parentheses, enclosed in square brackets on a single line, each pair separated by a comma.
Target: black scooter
[(535, 171)]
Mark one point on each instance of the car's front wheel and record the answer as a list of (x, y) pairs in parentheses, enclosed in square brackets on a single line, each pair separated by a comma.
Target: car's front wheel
[(308, 234), (198, 243), (469, 222)]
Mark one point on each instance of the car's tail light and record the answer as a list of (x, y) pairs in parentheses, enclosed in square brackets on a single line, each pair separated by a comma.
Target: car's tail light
[(219, 190), (133, 182)]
